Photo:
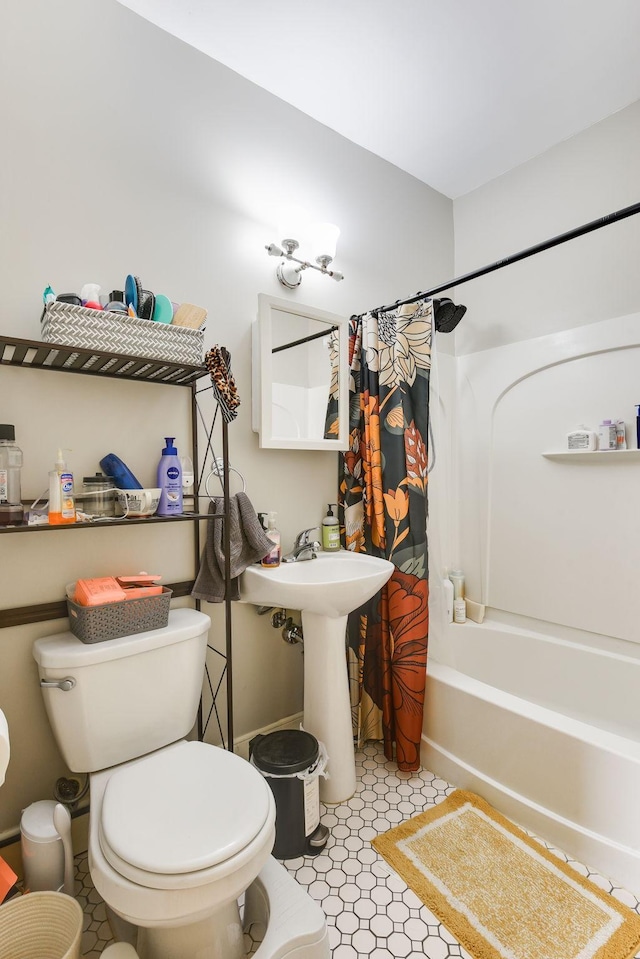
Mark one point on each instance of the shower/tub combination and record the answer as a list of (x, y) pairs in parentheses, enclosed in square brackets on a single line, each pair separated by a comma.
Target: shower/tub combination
[(538, 708)]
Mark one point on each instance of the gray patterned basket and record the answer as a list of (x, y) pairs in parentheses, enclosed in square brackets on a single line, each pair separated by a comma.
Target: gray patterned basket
[(119, 333), (97, 624)]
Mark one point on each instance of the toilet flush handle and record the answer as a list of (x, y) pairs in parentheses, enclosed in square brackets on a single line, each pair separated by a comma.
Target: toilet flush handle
[(64, 684)]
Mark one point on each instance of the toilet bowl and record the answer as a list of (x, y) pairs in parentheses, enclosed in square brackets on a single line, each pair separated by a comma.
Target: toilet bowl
[(174, 839), (179, 830)]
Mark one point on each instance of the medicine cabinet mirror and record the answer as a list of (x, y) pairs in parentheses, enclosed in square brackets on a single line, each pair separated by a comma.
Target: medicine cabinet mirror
[(300, 396)]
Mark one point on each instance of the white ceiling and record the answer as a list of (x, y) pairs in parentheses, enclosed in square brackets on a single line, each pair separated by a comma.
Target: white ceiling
[(455, 92)]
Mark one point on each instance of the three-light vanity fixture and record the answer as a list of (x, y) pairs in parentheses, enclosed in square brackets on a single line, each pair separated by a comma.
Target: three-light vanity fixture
[(324, 238)]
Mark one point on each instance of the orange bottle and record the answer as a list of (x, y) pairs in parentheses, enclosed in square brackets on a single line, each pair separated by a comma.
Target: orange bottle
[(62, 507)]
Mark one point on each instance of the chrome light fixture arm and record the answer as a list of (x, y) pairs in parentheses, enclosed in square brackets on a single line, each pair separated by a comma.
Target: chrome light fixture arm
[(291, 276)]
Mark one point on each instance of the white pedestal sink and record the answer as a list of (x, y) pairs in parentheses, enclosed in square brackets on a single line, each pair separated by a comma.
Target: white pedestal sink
[(325, 589)]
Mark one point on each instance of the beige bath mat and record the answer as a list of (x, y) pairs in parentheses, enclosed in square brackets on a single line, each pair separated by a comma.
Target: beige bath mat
[(500, 893)]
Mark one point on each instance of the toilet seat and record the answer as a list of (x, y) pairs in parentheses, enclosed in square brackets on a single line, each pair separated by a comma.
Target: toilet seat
[(182, 814)]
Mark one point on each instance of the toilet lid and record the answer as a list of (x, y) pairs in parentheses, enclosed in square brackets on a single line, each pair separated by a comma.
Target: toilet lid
[(184, 808)]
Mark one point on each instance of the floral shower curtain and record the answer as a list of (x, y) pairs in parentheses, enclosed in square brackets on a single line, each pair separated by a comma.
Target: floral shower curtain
[(383, 495)]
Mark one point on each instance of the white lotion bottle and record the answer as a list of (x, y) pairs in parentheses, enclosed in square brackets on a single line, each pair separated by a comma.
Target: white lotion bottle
[(447, 592), (457, 578), (188, 479)]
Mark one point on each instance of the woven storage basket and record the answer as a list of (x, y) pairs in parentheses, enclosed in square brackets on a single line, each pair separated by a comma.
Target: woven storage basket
[(41, 925), (110, 332), (97, 624)]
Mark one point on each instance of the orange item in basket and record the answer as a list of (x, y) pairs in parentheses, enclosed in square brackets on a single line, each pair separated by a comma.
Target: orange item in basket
[(97, 592)]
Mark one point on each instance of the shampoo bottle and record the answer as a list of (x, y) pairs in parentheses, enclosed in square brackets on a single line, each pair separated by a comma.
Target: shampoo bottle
[(62, 508), (170, 481), (447, 589), (457, 578), (273, 556), (330, 531)]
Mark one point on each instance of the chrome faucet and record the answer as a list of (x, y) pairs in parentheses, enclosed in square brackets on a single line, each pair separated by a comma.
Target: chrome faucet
[(304, 547)]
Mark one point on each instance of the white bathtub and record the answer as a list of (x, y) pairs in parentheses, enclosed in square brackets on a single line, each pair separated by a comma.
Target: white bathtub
[(546, 729)]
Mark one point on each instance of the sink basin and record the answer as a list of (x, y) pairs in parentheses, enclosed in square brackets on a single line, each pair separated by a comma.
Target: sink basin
[(325, 590), (333, 584)]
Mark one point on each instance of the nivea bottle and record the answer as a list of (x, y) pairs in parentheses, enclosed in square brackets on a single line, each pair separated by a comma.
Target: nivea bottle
[(170, 481)]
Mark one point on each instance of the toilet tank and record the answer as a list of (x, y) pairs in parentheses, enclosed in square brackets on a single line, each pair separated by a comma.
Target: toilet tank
[(131, 695)]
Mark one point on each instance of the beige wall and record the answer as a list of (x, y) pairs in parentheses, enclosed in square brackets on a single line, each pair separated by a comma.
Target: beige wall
[(124, 151)]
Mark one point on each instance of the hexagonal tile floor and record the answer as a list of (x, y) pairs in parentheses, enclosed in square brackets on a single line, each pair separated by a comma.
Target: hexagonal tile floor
[(370, 911)]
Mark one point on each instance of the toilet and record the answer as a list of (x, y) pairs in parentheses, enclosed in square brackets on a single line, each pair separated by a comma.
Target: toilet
[(180, 831)]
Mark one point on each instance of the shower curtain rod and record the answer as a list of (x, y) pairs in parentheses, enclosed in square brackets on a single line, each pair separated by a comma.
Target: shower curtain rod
[(523, 254)]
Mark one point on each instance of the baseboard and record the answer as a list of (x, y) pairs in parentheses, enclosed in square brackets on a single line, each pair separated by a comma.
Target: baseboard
[(241, 745)]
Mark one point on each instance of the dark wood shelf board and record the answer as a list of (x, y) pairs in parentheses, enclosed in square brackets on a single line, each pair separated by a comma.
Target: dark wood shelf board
[(42, 612)]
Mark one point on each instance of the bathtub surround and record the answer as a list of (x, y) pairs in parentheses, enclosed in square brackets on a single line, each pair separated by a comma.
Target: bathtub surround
[(499, 891)]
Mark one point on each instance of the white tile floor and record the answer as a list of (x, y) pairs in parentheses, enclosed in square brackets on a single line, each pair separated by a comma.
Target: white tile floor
[(370, 911)]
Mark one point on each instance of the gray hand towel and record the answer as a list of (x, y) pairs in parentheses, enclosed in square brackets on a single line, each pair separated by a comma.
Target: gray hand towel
[(248, 544)]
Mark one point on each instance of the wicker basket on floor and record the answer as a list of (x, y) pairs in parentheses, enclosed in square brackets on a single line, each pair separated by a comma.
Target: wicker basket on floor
[(41, 925)]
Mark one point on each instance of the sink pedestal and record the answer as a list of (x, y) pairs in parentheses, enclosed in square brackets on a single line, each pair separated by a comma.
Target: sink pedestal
[(327, 706), (326, 590)]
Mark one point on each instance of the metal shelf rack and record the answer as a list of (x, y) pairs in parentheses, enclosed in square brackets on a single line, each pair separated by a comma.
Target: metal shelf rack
[(33, 354)]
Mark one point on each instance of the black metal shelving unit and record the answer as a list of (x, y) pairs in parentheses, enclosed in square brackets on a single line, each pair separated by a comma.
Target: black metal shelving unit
[(33, 354)]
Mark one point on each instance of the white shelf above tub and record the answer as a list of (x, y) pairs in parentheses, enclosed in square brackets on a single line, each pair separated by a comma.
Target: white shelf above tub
[(591, 454)]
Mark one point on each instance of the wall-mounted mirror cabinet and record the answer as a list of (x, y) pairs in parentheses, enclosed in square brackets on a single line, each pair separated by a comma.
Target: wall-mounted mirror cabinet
[(300, 397)]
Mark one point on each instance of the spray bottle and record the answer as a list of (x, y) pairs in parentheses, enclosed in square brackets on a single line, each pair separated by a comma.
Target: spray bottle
[(62, 508)]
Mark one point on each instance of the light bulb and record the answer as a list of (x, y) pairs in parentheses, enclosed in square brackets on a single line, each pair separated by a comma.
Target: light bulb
[(324, 240)]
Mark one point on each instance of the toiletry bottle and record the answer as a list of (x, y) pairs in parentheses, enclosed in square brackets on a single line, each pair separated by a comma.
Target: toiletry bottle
[(273, 556), (188, 479), (170, 481), (62, 509), (457, 578), (447, 591), (330, 531), (11, 511), (582, 439), (607, 436), (621, 435), (460, 610)]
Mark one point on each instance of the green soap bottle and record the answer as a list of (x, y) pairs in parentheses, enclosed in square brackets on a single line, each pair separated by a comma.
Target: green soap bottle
[(330, 531)]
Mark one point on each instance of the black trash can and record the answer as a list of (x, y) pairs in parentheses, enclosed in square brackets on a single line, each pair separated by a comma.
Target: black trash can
[(291, 761)]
